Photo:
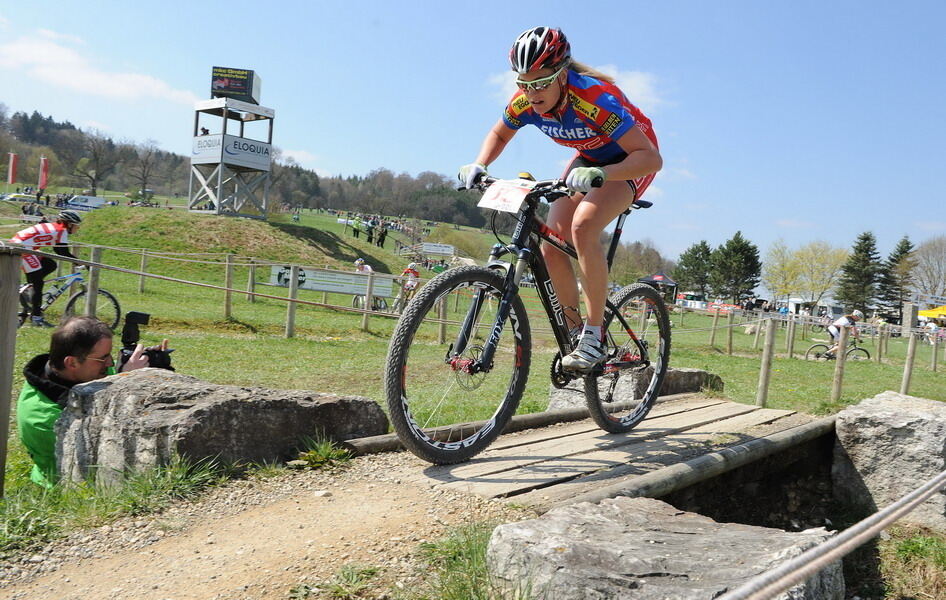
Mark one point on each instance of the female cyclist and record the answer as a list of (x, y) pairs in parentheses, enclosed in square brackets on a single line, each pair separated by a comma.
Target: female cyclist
[(580, 108)]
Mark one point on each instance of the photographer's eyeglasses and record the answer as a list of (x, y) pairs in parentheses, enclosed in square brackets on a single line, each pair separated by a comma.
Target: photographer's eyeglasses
[(538, 85), (108, 360)]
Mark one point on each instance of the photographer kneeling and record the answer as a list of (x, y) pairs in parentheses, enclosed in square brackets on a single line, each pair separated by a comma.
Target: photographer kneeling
[(80, 351)]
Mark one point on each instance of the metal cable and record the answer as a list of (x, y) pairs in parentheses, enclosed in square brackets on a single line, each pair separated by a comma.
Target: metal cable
[(803, 566)]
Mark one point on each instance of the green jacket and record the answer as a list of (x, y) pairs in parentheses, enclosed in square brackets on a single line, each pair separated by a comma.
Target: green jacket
[(38, 408)]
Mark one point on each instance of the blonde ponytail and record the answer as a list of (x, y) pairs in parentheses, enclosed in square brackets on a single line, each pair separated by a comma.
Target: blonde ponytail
[(583, 69)]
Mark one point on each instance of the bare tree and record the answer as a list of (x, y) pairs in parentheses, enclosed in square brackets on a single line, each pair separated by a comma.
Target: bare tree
[(929, 275), (819, 267), (98, 158), (144, 164)]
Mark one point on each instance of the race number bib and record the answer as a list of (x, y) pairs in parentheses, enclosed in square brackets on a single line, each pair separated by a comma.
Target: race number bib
[(506, 195)]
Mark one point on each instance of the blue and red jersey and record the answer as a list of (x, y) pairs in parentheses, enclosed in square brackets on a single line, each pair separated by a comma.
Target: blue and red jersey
[(595, 116)]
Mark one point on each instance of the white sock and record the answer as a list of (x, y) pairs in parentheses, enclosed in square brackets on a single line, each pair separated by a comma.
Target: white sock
[(594, 330)]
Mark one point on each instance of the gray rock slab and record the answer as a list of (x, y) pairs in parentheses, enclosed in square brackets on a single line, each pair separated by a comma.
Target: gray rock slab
[(646, 549), (138, 420), (887, 446), (677, 381)]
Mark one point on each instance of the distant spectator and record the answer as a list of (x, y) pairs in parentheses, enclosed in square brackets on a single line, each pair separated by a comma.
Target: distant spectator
[(204, 131)]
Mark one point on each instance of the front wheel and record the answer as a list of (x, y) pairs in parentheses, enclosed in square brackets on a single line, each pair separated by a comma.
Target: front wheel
[(858, 354), (106, 307), (817, 352), (445, 405), (621, 395)]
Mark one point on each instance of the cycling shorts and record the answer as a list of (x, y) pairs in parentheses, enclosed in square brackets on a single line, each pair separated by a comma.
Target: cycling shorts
[(638, 186), (834, 331)]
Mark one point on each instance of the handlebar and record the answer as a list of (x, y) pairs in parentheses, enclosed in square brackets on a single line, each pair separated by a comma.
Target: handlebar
[(551, 189)]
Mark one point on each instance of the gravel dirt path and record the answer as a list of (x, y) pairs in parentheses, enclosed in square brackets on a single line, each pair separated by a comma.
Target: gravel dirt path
[(258, 539)]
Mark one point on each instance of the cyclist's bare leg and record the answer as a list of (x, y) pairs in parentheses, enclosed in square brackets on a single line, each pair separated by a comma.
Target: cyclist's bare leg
[(559, 264), (593, 212)]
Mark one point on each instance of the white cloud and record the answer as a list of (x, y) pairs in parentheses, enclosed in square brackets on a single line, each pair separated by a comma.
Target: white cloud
[(931, 225), (88, 125), (4, 23), (684, 173), (63, 67), (306, 159), (505, 84), (638, 86), (55, 35)]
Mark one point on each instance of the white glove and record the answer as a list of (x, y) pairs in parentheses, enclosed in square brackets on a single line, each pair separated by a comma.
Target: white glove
[(581, 178), (468, 174)]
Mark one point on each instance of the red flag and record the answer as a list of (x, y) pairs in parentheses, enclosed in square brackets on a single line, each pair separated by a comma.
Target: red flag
[(43, 172), (11, 169)]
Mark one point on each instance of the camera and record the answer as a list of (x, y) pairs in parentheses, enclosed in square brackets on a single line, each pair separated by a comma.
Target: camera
[(157, 358)]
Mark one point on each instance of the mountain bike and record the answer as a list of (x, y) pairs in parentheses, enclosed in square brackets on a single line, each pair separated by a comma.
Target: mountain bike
[(819, 352), (106, 307), (821, 325), (462, 349), (407, 290)]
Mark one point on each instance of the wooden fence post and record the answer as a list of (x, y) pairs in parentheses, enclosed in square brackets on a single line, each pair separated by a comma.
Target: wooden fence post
[(879, 350), (790, 336), (908, 365), (730, 322), (251, 281), (758, 332), (291, 309), (368, 302), (143, 268), (935, 357), (840, 357), (9, 306), (92, 285), (765, 373), (713, 332), (442, 313), (228, 283)]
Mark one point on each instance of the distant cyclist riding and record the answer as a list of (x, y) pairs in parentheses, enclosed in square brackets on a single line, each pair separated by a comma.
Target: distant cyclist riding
[(616, 146), (36, 266)]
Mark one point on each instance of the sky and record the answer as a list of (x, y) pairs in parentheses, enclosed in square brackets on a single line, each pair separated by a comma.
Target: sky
[(797, 121)]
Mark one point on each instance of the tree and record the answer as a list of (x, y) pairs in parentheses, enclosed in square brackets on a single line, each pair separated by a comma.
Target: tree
[(929, 274), (857, 287), (98, 158), (735, 268), (893, 287), (693, 269), (781, 272), (144, 163), (819, 265)]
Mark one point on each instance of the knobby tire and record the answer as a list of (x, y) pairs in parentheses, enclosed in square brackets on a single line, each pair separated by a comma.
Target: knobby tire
[(107, 308), (426, 393), (620, 399)]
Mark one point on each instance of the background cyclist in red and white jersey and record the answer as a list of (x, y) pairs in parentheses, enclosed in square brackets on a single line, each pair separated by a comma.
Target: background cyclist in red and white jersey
[(583, 109), (37, 266)]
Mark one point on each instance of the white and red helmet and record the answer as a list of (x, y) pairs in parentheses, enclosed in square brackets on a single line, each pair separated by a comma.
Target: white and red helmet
[(538, 48)]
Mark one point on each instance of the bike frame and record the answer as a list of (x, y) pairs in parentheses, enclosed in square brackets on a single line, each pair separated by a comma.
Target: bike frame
[(530, 232), (57, 289)]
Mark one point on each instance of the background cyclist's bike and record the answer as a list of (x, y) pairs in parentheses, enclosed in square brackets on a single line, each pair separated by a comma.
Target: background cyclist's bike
[(106, 306), (462, 349), (820, 352)]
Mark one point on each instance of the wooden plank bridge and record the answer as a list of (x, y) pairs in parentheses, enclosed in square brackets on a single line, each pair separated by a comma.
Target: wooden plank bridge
[(549, 466)]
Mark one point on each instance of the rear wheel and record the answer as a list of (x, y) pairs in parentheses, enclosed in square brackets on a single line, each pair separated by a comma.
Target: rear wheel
[(858, 354), (625, 389), (431, 378), (106, 307), (817, 352)]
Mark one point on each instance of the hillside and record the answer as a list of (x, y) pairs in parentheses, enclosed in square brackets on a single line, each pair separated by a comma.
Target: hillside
[(315, 241)]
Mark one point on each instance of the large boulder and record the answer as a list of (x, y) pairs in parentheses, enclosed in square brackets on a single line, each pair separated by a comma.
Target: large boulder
[(630, 387), (138, 420), (887, 446), (646, 549)]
